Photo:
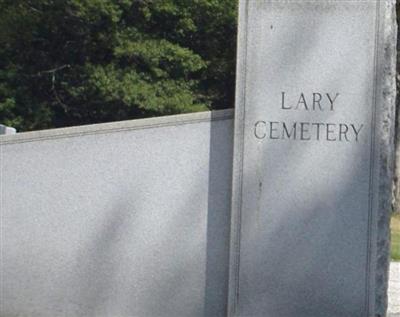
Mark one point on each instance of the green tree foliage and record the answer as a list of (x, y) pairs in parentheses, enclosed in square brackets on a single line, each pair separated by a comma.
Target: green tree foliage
[(69, 62)]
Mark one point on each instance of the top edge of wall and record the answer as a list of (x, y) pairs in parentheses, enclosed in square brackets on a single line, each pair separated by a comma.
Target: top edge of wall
[(126, 125)]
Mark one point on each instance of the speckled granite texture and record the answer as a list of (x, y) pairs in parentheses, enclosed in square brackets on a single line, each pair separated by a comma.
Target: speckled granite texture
[(387, 156)]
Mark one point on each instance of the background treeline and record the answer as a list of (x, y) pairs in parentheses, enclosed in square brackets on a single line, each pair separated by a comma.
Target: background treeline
[(72, 62)]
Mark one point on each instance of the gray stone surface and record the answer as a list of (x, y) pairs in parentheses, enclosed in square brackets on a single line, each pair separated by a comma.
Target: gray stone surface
[(313, 158), (6, 130), (120, 219), (387, 91), (394, 289)]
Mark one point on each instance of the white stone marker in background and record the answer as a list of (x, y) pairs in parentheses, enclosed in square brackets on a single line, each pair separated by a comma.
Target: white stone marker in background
[(7, 130), (313, 158), (394, 290)]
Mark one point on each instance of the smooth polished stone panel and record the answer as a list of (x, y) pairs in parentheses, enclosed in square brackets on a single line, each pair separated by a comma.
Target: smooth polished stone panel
[(120, 219), (312, 158)]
